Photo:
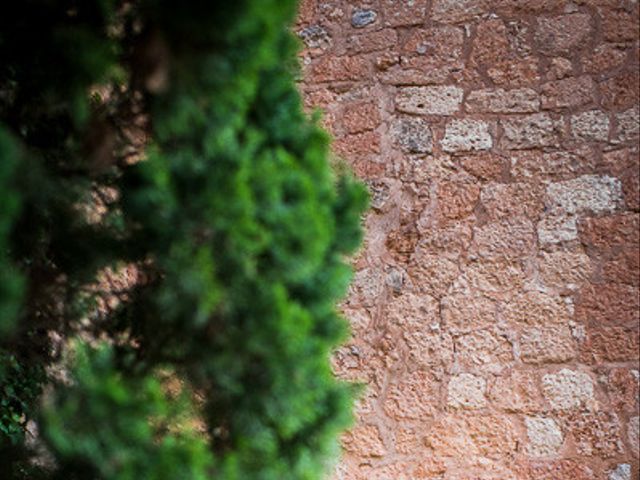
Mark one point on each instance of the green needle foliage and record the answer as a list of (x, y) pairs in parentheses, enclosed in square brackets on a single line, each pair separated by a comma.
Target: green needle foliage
[(166, 138)]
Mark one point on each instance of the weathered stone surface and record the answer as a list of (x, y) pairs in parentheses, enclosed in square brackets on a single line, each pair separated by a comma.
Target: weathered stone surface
[(608, 304), (591, 125), (457, 198), (633, 434), (327, 69), (611, 232), (562, 34), (429, 348), (412, 396), (509, 200), (549, 344), (564, 269), (516, 392), (559, 68), (620, 25), (568, 389), (470, 436), (528, 165), (621, 472), (365, 441), (315, 36), (628, 125), (507, 239), (595, 433), (482, 351), (514, 73), (493, 278), (372, 41), (495, 305), (622, 388), (412, 135), (466, 391), (458, 10), (362, 18), (544, 436), (434, 273), (604, 57), (462, 313), (610, 344), (358, 144), (561, 470), (485, 165), (531, 131), (621, 91), (466, 135), (535, 308), (586, 193), (360, 117), (398, 14), (570, 92), (557, 229), (522, 100), (429, 100)]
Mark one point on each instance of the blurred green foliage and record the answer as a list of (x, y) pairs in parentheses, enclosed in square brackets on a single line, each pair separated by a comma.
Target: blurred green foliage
[(234, 221)]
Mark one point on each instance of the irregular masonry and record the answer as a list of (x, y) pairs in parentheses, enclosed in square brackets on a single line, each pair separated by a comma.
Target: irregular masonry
[(495, 305)]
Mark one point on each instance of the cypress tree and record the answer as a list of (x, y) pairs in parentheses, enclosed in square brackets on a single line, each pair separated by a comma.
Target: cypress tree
[(172, 245)]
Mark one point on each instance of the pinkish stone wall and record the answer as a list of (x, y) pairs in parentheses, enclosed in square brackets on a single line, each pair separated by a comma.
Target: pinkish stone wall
[(495, 303)]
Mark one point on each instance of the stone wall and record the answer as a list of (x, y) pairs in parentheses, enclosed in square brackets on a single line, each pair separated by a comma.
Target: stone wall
[(495, 303)]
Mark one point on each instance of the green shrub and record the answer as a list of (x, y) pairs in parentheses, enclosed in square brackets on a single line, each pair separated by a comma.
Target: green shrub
[(234, 223)]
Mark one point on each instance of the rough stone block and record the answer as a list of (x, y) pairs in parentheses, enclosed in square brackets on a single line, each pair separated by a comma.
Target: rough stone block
[(591, 125), (621, 472), (511, 238), (466, 135), (463, 313), (568, 389), (458, 197), (557, 229), (628, 126), (514, 73), (372, 41), (509, 200), (570, 92), (453, 11), (362, 18), (364, 441), (412, 396), (549, 344), (633, 434), (483, 351), (621, 91), (429, 100), (466, 391), (594, 193), (330, 69), (604, 57), (563, 34), (360, 117), (398, 14), (534, 308), (608, 304), (595, 433), (521, 100), (516, 392), (561, 270), (610, 344), (544, 436), (412, 135), (531, 131)]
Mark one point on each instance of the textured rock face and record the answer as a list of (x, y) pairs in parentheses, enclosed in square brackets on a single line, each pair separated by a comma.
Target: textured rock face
[(494, 307)]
